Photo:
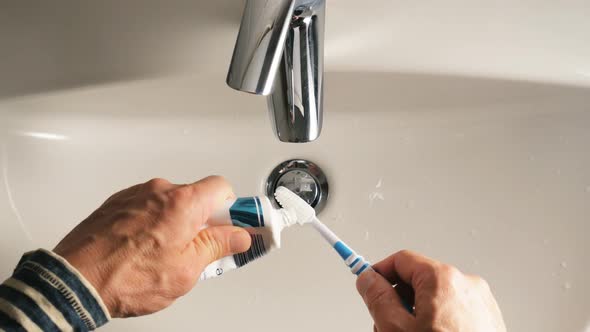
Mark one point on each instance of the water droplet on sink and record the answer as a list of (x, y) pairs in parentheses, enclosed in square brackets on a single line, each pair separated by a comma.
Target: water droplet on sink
[(374, 196), (337, 218), (567, 285), (563, 265), (379, 183), (473, 232), (254, 298), (366, 235), (410, 204)]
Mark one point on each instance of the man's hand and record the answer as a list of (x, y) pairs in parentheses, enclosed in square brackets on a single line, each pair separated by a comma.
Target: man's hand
[(445, 300), (142, 249)]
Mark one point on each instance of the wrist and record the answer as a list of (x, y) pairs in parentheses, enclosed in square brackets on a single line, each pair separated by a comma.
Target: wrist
[(82, 262), (64, 287)]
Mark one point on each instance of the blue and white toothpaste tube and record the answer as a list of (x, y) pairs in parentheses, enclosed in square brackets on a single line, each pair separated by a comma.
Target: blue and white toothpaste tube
[(264, 223)]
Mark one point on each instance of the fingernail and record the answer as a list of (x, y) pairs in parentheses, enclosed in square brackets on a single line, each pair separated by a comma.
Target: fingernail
[(364, 281), (239, 241)]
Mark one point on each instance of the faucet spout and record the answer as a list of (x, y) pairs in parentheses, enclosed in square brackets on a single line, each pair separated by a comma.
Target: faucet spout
[(280, 53), (260, 45)]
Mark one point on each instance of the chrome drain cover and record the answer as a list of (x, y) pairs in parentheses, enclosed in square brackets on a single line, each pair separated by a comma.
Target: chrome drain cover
[(302, 177)]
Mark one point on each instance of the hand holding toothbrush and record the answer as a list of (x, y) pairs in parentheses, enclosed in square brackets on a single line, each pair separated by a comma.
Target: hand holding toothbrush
[(427, 296), (445, 298), (299, 210)]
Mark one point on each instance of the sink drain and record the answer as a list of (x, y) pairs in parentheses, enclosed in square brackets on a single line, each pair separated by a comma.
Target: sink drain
[(302, 177)]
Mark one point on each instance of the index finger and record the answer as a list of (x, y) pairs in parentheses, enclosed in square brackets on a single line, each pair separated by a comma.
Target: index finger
[(197, 201), (405, 265)]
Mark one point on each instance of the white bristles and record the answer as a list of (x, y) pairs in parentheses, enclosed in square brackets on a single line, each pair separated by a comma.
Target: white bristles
[(290, 201), (303, 212)]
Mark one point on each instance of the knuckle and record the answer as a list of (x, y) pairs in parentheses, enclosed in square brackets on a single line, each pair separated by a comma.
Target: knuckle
[(157, 184), (151, 243), (428, 271), (449, 282), (404, 253), (450, 274), (159, 240), (207, 242), (448, 271), (427, 276), (199, 192), (155, 203), (180, 194)]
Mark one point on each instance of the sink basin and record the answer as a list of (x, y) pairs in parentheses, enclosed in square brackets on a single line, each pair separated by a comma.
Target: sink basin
[(477, 160), (494, 180)]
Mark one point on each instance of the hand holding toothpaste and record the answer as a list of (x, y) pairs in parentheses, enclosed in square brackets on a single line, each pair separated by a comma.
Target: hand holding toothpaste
[(445, 298), (144, 247)]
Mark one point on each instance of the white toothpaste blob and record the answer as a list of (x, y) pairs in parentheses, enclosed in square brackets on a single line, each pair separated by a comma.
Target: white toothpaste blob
[(295, 206), (264, 223)]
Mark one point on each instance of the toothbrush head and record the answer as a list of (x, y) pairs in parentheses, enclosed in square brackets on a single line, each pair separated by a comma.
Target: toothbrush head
[(303, 212)]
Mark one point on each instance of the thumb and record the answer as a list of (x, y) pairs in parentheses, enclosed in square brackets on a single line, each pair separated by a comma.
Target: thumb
[(217, 242), (383, 303)]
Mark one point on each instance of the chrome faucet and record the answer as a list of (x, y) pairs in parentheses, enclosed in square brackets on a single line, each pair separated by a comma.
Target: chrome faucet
[(279, 53)]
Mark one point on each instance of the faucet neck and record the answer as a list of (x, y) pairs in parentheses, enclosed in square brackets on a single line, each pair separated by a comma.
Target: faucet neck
[(279, 53)]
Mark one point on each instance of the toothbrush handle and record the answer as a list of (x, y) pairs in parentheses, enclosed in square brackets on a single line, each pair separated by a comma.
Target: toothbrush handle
[(358, 264), (325, 232)]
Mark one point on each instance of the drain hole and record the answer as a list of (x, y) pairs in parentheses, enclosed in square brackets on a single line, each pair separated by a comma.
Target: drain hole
[(302, 177)]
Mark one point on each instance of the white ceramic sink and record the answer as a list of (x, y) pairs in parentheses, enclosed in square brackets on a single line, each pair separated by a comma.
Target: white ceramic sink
[(481, 164)]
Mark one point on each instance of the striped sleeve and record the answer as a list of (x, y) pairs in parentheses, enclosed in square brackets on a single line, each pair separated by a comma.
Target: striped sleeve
[(46, 293)]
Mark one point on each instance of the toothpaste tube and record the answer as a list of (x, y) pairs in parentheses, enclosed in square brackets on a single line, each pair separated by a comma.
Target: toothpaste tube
[(260, 219)]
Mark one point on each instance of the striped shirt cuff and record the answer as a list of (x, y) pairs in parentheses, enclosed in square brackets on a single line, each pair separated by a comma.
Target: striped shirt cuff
[(46, 293)]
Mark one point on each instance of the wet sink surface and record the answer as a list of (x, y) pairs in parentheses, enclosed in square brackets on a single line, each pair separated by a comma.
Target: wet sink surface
[(490, 175)]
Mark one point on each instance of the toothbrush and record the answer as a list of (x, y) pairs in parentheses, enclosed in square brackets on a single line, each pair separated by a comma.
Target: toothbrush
[(305, 214)]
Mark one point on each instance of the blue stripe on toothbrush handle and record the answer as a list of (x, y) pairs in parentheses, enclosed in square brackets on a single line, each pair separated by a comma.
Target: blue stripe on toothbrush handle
[(355, 261), (342, 249), (364, 267)]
